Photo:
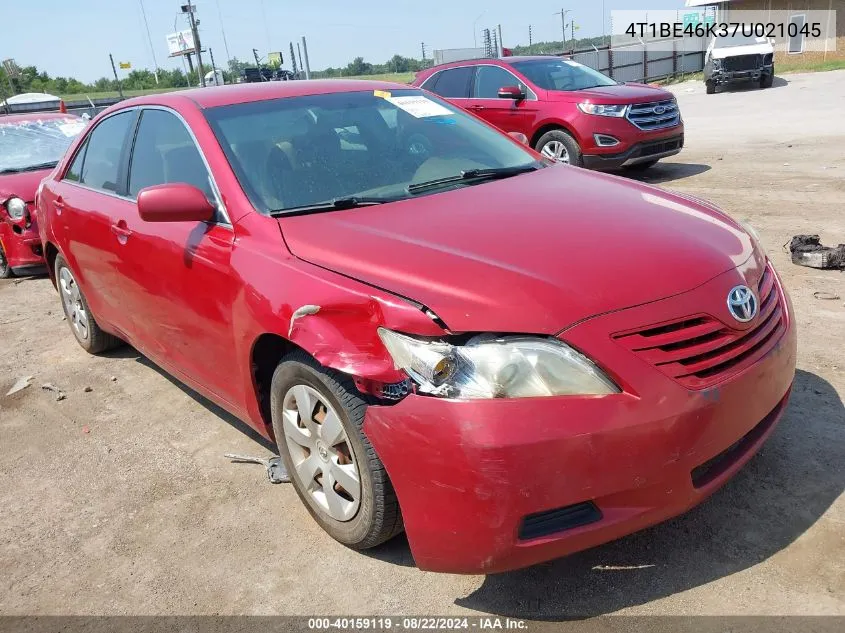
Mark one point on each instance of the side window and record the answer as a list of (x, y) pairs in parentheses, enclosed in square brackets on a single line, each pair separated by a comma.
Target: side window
[(75, 170), (164, 153), (101, 164), (453, 83), (488, 80)]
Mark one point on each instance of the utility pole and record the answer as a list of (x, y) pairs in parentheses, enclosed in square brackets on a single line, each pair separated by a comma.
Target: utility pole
[(258, 64), (422, 45), (114, 70), (530, 40), (213, 67), (149, 37), (299, 50), (562, 13), (307, 64), (189, 9), (293, 61), (501, 50)]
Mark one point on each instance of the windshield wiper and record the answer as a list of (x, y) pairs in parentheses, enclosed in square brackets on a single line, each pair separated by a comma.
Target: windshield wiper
[(336, 204), (495, 173), (19, 170)]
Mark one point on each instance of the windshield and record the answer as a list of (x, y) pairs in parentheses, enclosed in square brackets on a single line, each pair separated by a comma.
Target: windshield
[(562, 74), (295, 152), (35, 143), (739, 40)]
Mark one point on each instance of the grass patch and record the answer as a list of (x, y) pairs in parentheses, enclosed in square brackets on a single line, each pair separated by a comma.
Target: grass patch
[(399, 78), (809, 66), (107, 95)]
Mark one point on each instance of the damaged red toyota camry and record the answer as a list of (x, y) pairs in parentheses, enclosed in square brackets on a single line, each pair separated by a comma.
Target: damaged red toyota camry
[(509, 359)]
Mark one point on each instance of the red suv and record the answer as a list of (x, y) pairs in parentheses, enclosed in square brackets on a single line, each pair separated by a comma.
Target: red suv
[(414, 306), (567, 111)]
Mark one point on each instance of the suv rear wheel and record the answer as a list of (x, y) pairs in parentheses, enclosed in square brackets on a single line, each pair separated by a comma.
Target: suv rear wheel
[(561, 147)]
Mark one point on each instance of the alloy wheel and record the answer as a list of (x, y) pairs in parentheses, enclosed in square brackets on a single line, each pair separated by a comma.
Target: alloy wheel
[(556, 151), (72, 299), (321, 452)]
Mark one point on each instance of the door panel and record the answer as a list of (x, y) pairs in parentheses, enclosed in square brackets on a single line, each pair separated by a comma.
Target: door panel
[(508, 115), (178, 278)]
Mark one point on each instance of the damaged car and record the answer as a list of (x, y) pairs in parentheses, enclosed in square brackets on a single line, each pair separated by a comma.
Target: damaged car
[(30, 147), (414, 306), (739, 58)]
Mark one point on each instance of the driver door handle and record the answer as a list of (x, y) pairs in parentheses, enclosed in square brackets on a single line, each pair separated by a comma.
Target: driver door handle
[(475, 107), (121, 231)]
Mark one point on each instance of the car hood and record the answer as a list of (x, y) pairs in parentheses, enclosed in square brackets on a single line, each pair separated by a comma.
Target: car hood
[(736, 51), (621, 93), (531, 254), (23, 185)]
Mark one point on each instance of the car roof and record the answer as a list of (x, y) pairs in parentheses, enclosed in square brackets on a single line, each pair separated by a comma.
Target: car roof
[(34, 116), (493, 60), (232, 94)]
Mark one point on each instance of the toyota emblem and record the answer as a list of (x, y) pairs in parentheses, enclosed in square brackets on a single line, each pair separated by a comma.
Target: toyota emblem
[(742, 304)]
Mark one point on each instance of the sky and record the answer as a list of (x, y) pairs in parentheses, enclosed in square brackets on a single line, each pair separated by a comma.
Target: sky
[(74, 39)]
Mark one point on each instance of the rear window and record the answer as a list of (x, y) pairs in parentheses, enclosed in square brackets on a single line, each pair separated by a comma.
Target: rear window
[(452, 83)]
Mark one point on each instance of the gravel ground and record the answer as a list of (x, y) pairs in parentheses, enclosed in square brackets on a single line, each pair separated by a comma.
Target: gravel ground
[(117, 500)]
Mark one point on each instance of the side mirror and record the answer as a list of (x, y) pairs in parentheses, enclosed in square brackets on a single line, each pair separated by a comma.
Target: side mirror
[(176, 202), (511, 92), (519, 136)]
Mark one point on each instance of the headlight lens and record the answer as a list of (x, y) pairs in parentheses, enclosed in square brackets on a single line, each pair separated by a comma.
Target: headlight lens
[(603, 110), (16, 208), (490, 366)]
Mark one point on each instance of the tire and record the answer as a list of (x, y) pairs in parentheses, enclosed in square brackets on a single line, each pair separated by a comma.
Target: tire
[(91, 338), (377, 517), (711, 87), (641, 166), (6, 271), (766, 81), (550, 142)]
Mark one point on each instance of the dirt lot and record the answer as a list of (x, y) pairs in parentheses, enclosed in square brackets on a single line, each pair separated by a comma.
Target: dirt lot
[(117, 500)]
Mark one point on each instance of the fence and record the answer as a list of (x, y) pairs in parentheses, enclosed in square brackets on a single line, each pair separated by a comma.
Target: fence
[(91, 108), (646, 61)]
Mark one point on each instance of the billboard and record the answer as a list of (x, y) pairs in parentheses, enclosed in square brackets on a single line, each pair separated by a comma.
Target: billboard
[(180, 43)]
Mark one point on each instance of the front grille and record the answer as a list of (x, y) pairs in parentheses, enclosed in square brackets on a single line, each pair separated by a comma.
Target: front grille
[(742, 62), (654, 116), (553, 521), (661, 147), (700, 351)]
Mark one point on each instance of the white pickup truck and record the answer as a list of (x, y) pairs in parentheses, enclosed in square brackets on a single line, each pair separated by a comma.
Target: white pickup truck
[(739, 58)]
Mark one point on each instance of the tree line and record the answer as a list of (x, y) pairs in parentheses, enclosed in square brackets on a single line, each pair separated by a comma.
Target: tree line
[(31, 79)]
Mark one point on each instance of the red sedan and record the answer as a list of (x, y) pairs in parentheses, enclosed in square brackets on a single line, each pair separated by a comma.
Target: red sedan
[(509, 358), (30, 147)]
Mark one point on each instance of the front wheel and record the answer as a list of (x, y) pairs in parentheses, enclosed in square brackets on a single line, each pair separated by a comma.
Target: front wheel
[(5, 268), (710, 85), (318, 416), (766, 81), (82, 323), (561, 147)]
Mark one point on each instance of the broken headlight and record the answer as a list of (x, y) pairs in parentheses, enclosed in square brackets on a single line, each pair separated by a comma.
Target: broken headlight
[(16, 208), (490, 366)]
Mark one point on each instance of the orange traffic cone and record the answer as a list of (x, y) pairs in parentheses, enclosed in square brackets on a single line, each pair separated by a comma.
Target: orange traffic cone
[(62, 107)]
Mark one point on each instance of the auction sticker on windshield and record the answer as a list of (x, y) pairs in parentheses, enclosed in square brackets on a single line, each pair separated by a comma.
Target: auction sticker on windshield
[(419, 107)]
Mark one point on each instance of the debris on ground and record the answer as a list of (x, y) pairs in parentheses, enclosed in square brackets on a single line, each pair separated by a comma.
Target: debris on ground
[(88, 390), (276, 471), (826, 296), (807, 250), (60, 395), (21, 384), (86, 429), (113, 378)]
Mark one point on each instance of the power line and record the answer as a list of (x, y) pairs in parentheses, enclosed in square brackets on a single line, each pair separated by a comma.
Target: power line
[(223, 31), (150, 39)]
